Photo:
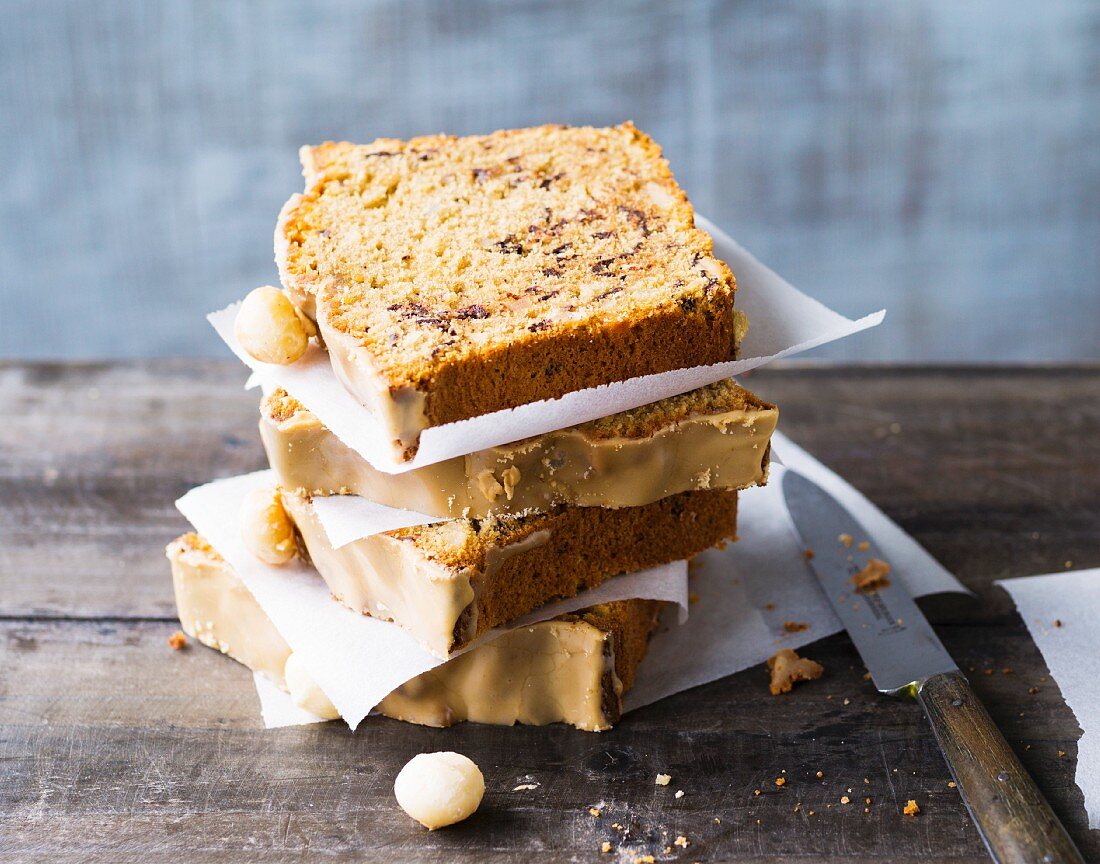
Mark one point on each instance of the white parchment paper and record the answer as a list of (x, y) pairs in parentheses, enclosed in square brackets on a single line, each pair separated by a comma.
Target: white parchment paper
[(782, 321), (748, 590), (347, 518), (355, 659), (277, 708), (1071, 654)]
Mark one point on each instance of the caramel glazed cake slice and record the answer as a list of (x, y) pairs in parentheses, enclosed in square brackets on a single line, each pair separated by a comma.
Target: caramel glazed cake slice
[(453, 277), (572, 669), (716, 437), (450, 582)]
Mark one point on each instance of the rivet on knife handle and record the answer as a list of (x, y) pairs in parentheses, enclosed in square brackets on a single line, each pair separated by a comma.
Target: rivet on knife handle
[(1010, 812)]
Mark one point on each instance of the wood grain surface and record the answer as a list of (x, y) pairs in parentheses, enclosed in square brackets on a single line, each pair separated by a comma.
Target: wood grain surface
[(115, 748)]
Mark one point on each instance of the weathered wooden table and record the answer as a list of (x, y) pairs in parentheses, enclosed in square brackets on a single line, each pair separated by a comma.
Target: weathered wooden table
[(113, 747)]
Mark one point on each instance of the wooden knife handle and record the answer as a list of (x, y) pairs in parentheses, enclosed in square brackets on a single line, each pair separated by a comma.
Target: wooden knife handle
[(1011, 813)]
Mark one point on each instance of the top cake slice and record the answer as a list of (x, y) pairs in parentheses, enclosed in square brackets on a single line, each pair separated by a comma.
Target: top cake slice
[(452, 277)]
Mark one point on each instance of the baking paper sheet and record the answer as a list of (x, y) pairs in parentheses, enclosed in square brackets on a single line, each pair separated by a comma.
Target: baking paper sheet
[(782, 321), (277, 708), (748, 590), (1070, 652), (732, 626), (355, 659), (347, 518)]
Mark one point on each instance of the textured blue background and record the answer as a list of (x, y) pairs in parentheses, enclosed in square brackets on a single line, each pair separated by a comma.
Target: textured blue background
[(936, 157)]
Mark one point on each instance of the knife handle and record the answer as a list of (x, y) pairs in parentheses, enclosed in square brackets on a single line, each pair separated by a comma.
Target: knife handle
[(1012, 815)]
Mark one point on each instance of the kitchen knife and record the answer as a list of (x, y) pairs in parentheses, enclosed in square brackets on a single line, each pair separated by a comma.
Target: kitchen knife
[(905, 658)]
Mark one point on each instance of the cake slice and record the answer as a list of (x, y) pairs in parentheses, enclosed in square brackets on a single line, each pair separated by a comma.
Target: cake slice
[(453, 277), (716, 437), (450, 582), (572, 669)]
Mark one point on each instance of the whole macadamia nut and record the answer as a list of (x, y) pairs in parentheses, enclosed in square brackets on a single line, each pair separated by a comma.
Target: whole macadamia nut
[(266, 528), (304, 690), (439, 789), (271, 328)]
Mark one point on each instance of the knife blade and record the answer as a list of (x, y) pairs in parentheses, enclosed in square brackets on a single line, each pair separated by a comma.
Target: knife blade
[(906, 658), (895, 640)]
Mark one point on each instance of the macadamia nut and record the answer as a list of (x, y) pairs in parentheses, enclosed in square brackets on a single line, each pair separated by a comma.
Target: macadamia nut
[(439, 789), (304, 690), (271, 328), (266, 528)]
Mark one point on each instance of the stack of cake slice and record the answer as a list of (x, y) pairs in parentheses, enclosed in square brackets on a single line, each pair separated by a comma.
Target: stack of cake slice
[(449, 278)]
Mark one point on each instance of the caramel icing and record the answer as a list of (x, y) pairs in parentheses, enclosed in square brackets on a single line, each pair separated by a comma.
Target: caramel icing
[(570, 466), (391, 578), (561, 670)]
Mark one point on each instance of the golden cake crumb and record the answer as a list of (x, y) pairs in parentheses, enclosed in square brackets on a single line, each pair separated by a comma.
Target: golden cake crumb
[(845, 540), (795, 626), (910, 808), (873, 576), (808, 554), (663, 779), (177, 641), (568, 256), (863, 546), (592, 811), (787, 668), (605, 847), (682, 842)]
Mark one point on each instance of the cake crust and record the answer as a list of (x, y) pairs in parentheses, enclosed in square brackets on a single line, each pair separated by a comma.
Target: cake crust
[(486, 272), (453, 581)]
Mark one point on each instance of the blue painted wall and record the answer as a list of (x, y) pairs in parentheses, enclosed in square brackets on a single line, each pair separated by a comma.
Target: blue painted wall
[(936, 157)]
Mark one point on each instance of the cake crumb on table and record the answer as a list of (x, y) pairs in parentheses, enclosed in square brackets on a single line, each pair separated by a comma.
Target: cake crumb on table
[(593, 811), (910, 808), (663, 779), (679, 793), (872, 576), (177, 641), (845, 540), (682, 842), (863, 546), (605, 847), (795, 626), (787, 668)]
